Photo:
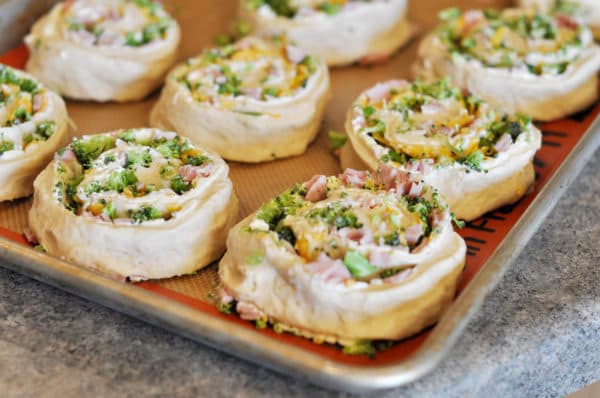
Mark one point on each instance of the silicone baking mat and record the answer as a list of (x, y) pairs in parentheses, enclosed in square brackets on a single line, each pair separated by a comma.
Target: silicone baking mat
[(200, 22)]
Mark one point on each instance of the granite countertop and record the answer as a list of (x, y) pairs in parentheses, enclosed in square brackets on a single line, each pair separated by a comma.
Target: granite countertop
[(538, 334)]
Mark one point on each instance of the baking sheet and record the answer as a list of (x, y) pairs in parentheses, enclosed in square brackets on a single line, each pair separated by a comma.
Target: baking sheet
[(183, 304)]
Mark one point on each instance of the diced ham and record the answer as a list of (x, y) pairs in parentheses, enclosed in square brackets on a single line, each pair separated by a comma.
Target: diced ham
[(82, 36), (471, 18), (393, 178), (30, 236), (419, 166), (503, 143), (330, 270), (437, 217), (66, 156), (354, 178), (359, 122), (413, 234), (415, 190), (380, 258), (295, 54), (375, 58), (400, 276), (432, 108), (247, 311), (566, 21), (38, 101), (360, 235), (316, 188), (382, 90), (254, 92), (224, 297), (110, 38), (386, 175), (190, 173)]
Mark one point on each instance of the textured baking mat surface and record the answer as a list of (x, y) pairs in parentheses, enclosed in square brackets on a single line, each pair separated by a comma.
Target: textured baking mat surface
[(200, 22)]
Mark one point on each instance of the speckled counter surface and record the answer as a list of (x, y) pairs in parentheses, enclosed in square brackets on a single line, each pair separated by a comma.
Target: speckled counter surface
[(538, 335)]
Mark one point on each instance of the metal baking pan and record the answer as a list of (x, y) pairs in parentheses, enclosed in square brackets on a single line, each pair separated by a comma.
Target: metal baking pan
[(182, 305)]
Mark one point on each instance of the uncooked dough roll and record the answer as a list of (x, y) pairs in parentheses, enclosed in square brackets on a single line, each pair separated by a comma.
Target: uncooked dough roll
[(33, 125), (518, 60), (252, 101), (479, 158), (340, 32), (139, 203), (339, 259), (103, 50)]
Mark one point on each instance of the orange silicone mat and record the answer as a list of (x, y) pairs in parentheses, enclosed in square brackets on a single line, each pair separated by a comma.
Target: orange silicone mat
[(201, 21)]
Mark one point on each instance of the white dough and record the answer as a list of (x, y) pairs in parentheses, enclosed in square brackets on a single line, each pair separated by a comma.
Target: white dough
[(281, 287), (193, 237)]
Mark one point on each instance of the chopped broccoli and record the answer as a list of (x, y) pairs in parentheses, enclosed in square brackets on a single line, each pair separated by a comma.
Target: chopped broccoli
[(144, 213), (179, 185), (88, 150)]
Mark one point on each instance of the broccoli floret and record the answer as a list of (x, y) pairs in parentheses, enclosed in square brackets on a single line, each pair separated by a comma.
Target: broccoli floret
[(142, 158), (119, 180), (179, 185), (45, 129), (88, 150), (144, 213)]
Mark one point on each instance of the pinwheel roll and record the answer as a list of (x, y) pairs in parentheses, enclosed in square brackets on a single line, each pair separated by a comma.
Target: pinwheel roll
[(138, 203), (340, 31), (588, 10), (251, 102), (356, 257), (519, 60), (103, 50), (477, 157), (33, 125)]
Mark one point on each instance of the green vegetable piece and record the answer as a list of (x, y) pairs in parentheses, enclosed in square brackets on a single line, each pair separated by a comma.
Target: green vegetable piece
[(330, 9), (6, 146), (197, 160), (128, 135), (179, 185), (358, 265), (363, 347), (449, 14), (119, 180), (473, 160), (144, 213), (255, 258), (45, 129), (336, 139), (88, 150), (142, 158), (110, 210)]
